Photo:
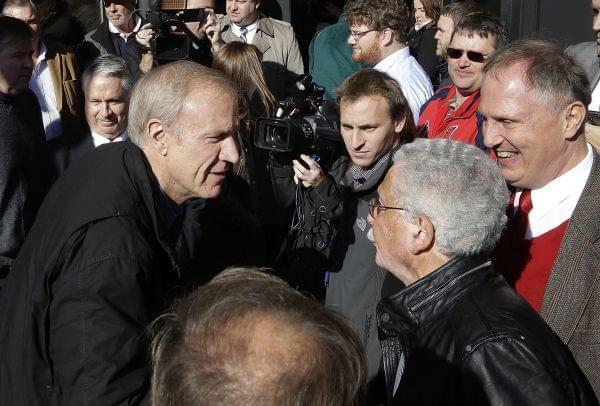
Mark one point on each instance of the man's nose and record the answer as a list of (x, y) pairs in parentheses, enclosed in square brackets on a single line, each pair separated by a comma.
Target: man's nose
[(492, 134), (357, 140), (229, 151), (351, 40), (105, 110)]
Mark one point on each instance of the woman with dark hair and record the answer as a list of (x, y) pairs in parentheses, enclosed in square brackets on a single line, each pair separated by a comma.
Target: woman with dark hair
[(421, 37)]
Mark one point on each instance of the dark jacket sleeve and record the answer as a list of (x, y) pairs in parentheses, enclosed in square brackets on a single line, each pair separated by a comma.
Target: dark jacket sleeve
[(495, 371), (102, 303)]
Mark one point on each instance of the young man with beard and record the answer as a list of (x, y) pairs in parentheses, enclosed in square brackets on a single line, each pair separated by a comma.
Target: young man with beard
[(375, 119), (378, 35), (452, 112)]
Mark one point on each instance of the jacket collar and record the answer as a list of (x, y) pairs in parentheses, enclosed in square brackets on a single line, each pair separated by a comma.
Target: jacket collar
[(265, 27), (428, 297)]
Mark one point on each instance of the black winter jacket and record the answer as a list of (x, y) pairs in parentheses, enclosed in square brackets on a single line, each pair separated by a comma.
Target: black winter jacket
[(467, 338), (95, 269)]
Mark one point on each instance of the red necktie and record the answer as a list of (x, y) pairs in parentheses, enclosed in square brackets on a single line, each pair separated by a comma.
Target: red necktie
[(520, 219)]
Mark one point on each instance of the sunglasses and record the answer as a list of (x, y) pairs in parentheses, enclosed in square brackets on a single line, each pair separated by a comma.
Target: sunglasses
[(473, 56)]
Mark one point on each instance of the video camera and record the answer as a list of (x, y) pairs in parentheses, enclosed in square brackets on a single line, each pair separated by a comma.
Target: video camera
[(169, 44), (302, 125)]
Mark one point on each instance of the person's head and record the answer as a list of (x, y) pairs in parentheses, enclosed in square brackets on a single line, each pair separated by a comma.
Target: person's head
[(248, 338), (474, 41), (426, 11), (120, 13), (184, 116), (241, 63), (377, 27), (26, 11), (441, 199), (16, 55), (450, 16), (198, 27), (107, 85), (596, 21), (374, 116), (533, 100), (242, 12)]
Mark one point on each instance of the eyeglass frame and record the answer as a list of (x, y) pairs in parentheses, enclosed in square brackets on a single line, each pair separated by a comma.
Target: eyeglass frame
[(473, 56), (358, 35), (375, 205)]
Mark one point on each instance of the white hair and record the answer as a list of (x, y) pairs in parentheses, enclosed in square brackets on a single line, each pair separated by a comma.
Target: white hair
[(459, 188)]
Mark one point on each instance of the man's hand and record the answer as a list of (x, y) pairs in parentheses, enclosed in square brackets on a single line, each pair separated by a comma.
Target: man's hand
[(212, 29), (145, 35), (311, 176)]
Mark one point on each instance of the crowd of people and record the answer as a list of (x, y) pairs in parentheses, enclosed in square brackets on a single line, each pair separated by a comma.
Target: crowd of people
[(153, 252)]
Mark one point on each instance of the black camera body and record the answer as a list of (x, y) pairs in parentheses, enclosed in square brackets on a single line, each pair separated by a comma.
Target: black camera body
[(303, 125), (171, 44)]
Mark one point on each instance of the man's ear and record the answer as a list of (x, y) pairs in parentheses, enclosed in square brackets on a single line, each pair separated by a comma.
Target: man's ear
[(157, 137), (422, 235), (575, 115), (387, 36), (399, 124), (257, 4)]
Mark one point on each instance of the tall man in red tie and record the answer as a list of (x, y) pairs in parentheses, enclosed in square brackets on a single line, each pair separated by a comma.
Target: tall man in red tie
[(534, 113)]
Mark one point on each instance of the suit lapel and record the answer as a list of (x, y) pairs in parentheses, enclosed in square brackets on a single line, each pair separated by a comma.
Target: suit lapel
[(264, 30), (576, 269)]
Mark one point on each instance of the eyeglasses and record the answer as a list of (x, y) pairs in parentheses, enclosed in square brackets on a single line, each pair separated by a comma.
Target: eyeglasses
[(375, 207), (358, 35), (473, 56)]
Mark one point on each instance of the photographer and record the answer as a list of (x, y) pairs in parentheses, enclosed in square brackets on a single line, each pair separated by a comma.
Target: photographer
[(375, 119), (203, 31)]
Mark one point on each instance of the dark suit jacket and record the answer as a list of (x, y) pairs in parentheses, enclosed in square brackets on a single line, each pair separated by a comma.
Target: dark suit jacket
[(571, 303), (586, 53), (64, 151)]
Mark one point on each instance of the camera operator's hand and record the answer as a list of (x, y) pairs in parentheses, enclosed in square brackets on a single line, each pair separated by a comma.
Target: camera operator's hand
[(145, 35), (311, 176), (212, 30)]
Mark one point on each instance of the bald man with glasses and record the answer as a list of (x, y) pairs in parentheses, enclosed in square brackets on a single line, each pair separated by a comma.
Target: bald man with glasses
[(452, 111)]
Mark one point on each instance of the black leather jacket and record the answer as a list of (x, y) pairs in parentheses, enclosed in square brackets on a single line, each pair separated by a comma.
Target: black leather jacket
[(462, 336)]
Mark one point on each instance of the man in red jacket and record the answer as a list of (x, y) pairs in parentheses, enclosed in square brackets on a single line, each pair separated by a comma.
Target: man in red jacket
[(452, 111)]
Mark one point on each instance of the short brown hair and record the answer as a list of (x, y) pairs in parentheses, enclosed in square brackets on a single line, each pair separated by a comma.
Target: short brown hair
[(380, 14), (485, 25), (373, 83), (203, 351), (13, 30), (555, 76)]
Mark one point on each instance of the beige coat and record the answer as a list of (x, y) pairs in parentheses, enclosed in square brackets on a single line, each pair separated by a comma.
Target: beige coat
[(276, 40)]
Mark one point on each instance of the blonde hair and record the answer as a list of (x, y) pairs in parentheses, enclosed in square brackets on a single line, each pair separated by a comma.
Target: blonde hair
[(241, 62)]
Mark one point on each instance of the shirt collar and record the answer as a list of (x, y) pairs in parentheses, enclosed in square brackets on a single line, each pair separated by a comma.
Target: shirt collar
[(100, 139), (568, 185), (389, 61), (43, 50), (114, 30)]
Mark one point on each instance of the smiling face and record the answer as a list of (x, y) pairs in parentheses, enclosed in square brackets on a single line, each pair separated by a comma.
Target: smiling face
[(119, 12), (106, 106), (466, 74), (200, 156), (242, 12), (528, 140), (16, 65), (365, 49), (368, 129), (445, 26)]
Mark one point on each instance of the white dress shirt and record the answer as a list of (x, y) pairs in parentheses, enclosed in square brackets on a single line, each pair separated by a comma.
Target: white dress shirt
[(41, 84), (413, 80), (595, 103), (99, 139), (553, 204), (236, 29)]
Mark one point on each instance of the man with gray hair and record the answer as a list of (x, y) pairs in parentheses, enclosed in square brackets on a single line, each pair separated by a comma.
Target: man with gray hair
[(107, 84), (99, 263), (458, 333), (534, 114), (248, 338)]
